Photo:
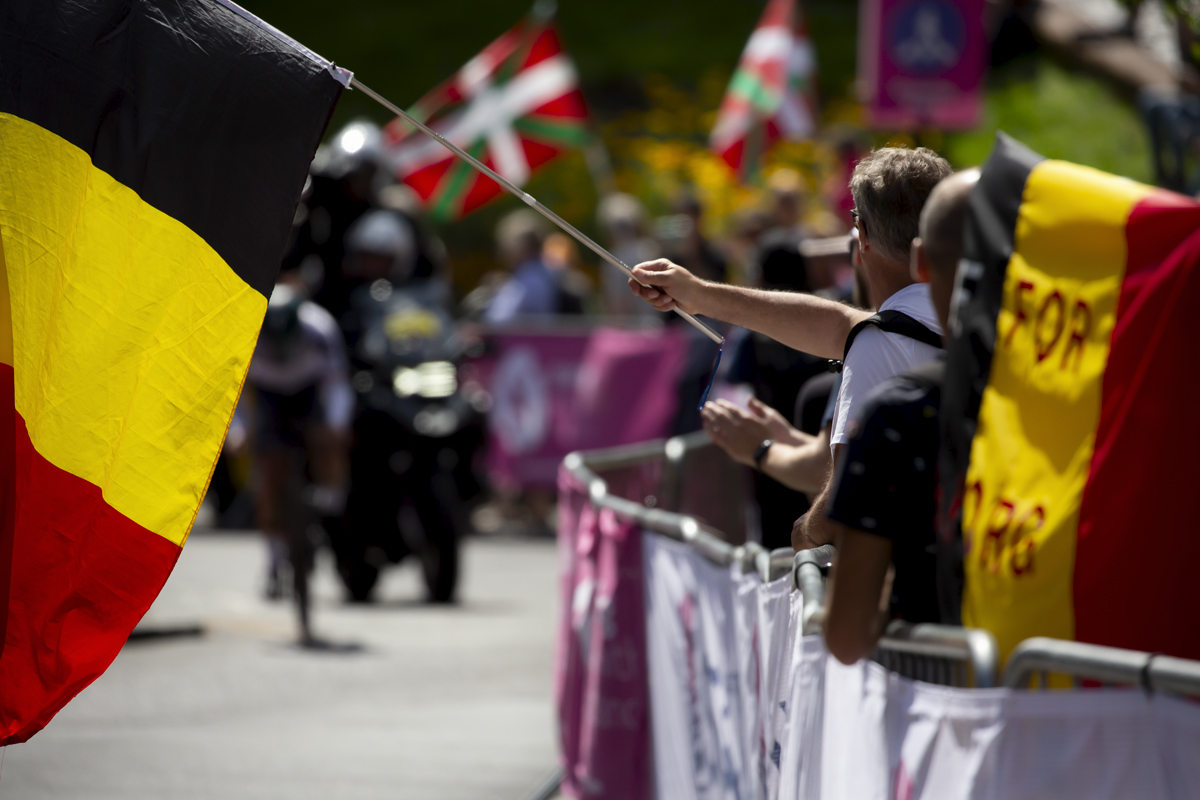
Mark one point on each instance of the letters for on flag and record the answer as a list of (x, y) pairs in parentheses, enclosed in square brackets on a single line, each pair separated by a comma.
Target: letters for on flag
[(1071, 435), (772, 94), (151, 156), (516, 106)]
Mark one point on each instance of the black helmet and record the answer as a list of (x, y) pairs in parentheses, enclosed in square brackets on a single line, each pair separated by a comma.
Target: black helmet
[(281, 325)]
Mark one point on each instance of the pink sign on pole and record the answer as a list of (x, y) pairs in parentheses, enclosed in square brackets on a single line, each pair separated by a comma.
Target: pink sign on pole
[(557, 392), (921, 63)]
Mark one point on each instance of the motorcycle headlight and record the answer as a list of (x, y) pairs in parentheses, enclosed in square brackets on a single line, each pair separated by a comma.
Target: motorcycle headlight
[(436, 422), (431, 379)]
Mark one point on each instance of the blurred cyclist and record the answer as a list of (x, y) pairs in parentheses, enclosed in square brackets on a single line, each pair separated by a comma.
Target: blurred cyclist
[(348, 180), (303, 405)]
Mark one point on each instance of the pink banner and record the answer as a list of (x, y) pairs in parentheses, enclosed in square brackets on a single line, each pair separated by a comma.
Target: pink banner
[(921, 63), (556, 392), (600, 657)]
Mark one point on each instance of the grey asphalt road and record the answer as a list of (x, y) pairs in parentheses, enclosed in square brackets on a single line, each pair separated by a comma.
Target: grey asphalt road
[(435, 702)]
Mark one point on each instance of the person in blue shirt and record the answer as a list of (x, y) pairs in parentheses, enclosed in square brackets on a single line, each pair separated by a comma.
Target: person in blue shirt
[(532, 288)]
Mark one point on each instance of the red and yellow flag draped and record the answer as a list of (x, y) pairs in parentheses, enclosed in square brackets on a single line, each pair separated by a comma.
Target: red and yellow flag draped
[(1069, 426), (152, 153)]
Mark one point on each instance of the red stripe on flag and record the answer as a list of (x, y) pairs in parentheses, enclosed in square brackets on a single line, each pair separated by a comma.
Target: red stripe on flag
[(8, 488), (483, 190), (539, 153), (545, 46), (1134, 581), (569, 106), (82, 577), (425, 181)]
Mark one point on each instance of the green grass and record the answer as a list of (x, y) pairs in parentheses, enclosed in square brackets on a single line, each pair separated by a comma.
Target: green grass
[(1060, 114)]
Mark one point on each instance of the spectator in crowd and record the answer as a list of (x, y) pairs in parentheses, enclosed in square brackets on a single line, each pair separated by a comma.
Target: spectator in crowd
[(531, 287), (777, 258), (684, 243), (775, 371), (745, 228), (623, 218), (561, 255), (889, 187), (799, 455), (882, 502)]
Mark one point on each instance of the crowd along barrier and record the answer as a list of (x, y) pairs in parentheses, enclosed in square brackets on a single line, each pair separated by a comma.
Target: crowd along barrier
[(690, 664)]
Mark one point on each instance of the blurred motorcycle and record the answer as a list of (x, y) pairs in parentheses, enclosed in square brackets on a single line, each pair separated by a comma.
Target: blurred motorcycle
[(416, 433)]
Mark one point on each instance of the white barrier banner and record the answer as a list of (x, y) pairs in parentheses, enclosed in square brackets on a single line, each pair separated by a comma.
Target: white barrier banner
[(746, 639), (891, 738), (774, 617), (695, 703), (800, 764), (742, 707)]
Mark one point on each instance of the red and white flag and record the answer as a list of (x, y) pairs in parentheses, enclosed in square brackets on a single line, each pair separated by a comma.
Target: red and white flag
[(772, 94), (515, 107)]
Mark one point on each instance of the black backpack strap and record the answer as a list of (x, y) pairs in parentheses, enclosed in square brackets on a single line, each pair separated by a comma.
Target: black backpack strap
[(890, 321)]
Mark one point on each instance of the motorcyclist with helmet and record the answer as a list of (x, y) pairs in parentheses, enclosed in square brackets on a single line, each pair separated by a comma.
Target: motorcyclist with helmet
[(415, 431), (301, 405), (348, 178)]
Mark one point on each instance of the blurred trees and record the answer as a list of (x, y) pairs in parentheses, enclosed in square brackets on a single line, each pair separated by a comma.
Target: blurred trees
[(654, 71)]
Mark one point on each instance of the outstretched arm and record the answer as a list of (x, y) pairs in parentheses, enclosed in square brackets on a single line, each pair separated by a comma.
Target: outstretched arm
[(802, 321)]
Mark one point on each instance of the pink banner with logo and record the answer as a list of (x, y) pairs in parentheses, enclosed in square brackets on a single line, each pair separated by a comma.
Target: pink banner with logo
[(557, 392), (600, 657), (921, 63)]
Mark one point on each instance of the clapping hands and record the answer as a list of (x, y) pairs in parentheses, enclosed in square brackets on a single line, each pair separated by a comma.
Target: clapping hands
[(739, 431)]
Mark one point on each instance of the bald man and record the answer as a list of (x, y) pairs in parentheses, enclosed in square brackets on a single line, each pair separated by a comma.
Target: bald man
[(882, 506)]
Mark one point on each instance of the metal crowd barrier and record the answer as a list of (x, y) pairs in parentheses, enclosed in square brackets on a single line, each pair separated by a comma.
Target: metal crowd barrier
[(1034, 659), (941, 654), (933, 653), (663, 510), (685, 507)]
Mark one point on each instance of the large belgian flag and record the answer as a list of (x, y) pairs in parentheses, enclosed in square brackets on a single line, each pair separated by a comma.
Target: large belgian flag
[(1071, 432), (152, 153)]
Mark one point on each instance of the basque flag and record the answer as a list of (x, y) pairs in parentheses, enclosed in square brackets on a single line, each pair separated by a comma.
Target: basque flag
[(1069, 426), (515, 106), (772, 94), (152, 153)]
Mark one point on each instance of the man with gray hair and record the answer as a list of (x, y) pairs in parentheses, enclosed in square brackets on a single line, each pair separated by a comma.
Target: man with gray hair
[(882, 501), (889, 187)]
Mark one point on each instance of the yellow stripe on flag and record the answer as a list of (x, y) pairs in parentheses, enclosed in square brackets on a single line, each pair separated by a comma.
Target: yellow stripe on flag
[(1021, 506), (6, 342), (131, 334)]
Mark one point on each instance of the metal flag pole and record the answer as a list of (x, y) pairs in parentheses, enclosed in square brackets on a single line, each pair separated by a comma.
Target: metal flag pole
[(527, 198)]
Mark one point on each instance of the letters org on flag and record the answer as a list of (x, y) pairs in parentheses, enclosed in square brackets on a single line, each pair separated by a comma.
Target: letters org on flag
[(515, 106), (151, 157), (771, 95), (1069, 435)]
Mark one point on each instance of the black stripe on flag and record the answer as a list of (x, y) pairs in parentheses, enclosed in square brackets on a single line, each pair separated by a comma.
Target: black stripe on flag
[(208, 117), (988, 236)]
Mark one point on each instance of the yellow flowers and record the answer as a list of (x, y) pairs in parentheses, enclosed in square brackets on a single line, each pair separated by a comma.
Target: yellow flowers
[(661, 150)]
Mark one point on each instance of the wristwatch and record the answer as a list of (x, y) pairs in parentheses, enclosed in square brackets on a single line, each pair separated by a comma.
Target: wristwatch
[(761, 453)]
